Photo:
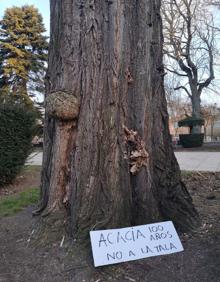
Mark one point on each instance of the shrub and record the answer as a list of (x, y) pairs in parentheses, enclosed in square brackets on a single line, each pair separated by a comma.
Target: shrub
[(191, 140), (191, 121), (17, 127)]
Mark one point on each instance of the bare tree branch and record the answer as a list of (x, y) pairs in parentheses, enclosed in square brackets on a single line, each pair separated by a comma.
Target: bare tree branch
[(189, 46), (185, 89)]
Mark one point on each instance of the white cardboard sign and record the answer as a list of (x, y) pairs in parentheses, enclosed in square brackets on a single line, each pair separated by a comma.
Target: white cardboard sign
[(132, 243)]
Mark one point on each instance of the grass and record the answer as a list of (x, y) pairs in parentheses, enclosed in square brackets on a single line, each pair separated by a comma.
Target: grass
[(12, 204), (31, 168), (187, 173)]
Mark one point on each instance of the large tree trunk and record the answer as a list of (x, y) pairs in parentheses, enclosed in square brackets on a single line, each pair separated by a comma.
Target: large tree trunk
[(111, 162)]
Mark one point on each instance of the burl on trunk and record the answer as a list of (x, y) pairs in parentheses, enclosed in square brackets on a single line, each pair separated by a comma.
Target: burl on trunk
[(108, 160)]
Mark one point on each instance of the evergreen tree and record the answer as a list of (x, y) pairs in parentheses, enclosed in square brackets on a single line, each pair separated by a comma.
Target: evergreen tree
[(23, 51)]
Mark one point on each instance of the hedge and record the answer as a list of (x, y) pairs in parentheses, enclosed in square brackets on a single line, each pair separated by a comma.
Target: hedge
[(191, 121), (191, 140), (17, 128)]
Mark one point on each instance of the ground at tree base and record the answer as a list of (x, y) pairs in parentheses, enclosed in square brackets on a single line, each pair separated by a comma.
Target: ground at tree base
[(28, 177), (25, 259)]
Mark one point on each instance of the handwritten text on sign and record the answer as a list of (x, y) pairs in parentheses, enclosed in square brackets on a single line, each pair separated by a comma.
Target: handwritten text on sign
[(125, 244)]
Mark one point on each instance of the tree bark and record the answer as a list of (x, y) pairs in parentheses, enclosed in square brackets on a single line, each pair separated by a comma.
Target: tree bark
[(196, 110), (119, 166)]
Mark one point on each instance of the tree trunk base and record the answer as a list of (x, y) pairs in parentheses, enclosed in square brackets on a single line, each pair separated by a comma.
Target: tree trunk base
[(112, 165)]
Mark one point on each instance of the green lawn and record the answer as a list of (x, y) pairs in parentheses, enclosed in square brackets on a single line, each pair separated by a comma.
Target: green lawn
[(12, 204), (31, 168)]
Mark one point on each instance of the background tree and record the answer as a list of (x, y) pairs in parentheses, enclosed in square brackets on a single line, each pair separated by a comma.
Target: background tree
[(190, 48), (214, 2), (211, 114), (108, 159), (17, 129), (178, 109), (23, 51)]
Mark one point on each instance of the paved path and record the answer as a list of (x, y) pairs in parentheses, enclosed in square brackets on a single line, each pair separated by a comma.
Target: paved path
[(35, 159), (198, 161)]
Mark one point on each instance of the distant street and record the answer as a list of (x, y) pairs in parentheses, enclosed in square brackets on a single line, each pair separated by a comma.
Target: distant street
[(191, 161)]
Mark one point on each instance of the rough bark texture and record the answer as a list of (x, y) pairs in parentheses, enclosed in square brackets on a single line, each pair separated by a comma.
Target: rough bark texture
[(196, 109), (118, 167)]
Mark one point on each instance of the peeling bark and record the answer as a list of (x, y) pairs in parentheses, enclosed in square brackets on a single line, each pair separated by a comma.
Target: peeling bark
[(110, 57)]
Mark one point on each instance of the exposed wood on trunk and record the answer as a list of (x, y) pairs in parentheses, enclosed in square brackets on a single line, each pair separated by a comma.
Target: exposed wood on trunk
[(59, 188)]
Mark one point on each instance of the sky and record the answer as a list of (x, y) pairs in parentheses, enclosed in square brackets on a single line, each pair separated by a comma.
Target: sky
[(43, 6)]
